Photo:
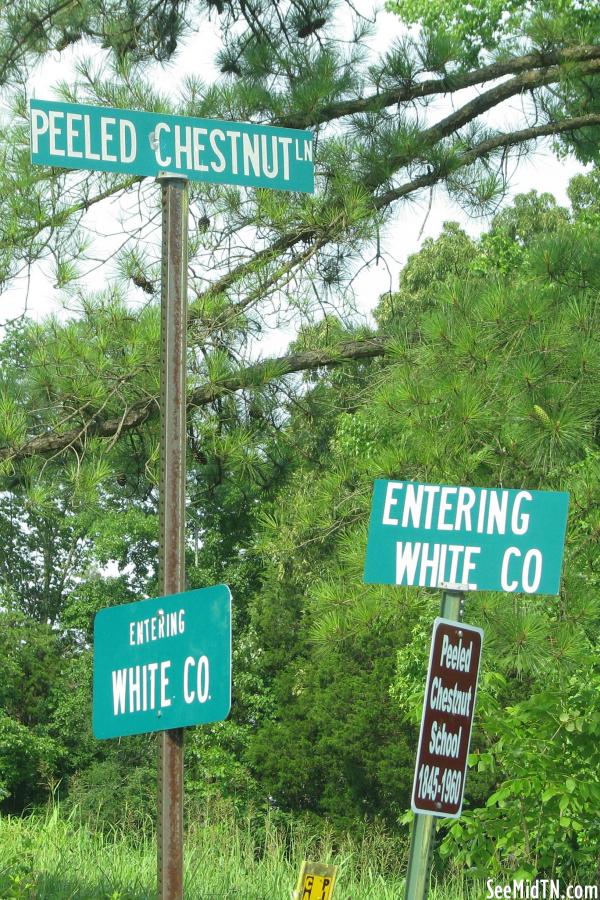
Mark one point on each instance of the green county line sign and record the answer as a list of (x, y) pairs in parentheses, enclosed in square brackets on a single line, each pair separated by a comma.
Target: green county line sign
[(72, 136), (162, 663), (484, 539)]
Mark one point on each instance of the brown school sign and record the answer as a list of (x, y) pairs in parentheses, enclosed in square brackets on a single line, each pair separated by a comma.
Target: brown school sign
[(447, 718)]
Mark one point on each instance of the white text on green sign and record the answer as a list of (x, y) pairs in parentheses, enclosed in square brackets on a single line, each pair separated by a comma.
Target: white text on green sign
[(74, 136), (162, 663), (485, 539)]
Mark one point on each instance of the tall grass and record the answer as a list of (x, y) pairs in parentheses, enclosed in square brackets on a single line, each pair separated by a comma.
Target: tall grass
[(52, 857)]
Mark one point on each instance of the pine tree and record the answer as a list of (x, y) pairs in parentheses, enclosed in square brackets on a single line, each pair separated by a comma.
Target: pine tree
[(380, 143)]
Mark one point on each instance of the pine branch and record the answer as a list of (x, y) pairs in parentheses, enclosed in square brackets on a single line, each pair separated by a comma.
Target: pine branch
[(529, 134), (587, 56), (266, 255), (480, 151), (489, 100), (314, 237), (530, 62), (257, 374), (274, 280), (528, 81), (81, 206), (20, 48), (326, 357)]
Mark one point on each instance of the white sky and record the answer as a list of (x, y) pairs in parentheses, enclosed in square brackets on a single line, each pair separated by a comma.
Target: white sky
[(411, 226)]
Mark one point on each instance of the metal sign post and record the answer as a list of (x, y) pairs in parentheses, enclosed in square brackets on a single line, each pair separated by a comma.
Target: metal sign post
[(138, 143), (172, 505), (462, 539), (421, 845)]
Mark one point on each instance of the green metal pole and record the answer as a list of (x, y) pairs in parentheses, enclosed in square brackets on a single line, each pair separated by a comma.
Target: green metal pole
[(421, 844)]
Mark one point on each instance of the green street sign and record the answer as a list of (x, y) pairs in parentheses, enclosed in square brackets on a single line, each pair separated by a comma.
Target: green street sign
[(162, 663), (72, 136), (483, 539)]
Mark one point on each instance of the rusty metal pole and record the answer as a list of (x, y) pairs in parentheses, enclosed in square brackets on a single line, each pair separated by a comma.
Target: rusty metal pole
[(172, 506)]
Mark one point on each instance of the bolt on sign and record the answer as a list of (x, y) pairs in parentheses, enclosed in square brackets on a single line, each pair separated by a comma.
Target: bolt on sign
[(74, 136), (315, 882), (487, 539), (448, 707), (162, 663)]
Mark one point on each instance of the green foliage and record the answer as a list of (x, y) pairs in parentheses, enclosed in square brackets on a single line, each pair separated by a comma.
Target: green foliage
[(132, 30), (45, 709), (52, 857), (492, 380), (494, 29), (544, 812), (490, 377), (284, 63), (26, 758), (501, 24), (334, 716), (532, 743), (116, 792), (584, 195)]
